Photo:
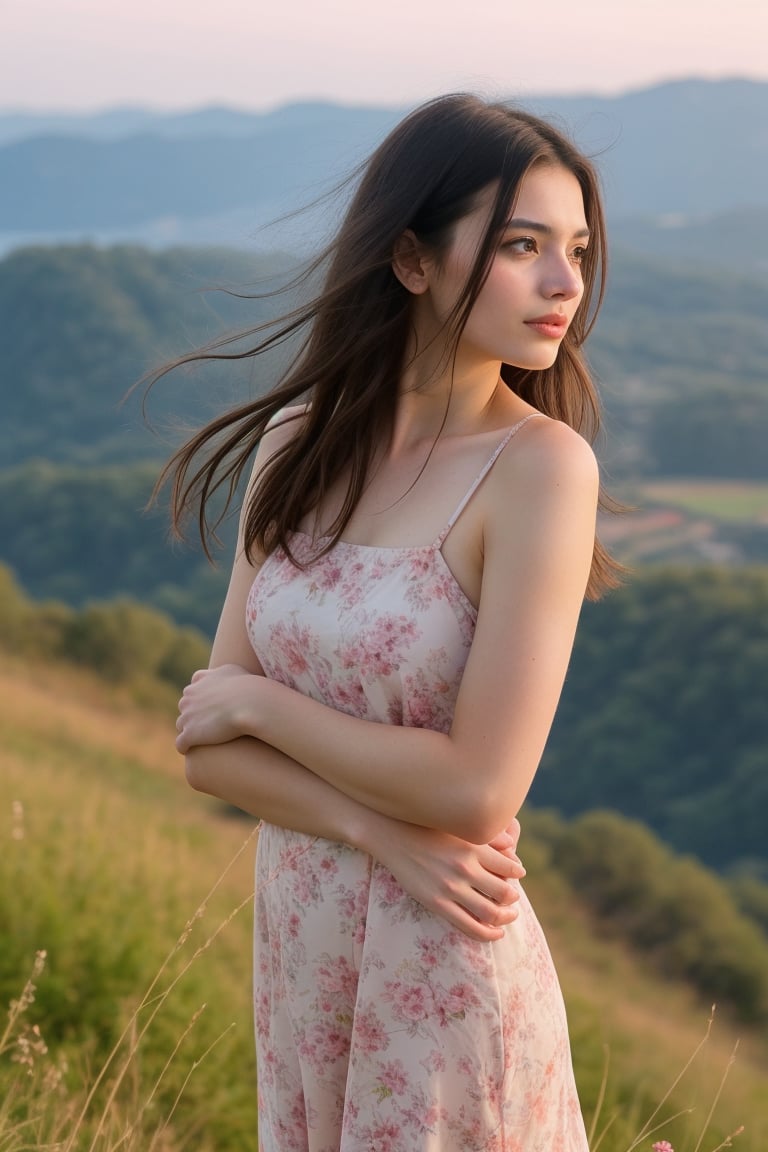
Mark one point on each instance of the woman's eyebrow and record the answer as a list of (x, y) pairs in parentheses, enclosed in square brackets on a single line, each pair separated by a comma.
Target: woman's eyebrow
[(534, 226)]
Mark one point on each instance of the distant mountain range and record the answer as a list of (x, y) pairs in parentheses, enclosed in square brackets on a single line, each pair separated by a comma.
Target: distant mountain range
[(685, 168)]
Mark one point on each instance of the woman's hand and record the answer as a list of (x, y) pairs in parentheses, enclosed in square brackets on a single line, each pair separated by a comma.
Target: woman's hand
[(214, 705), (469, 885)]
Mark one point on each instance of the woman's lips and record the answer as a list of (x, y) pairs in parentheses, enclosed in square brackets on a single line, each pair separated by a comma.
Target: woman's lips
[(553, 326)]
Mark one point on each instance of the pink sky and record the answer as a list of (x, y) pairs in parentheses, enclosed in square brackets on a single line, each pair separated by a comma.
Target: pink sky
[(86, 54)]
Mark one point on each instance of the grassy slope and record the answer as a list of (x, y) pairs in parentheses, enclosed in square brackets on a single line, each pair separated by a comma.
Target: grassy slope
[(112, 839), (117, 855)]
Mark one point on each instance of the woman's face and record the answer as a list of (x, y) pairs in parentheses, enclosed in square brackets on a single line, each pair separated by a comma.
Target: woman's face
[(534, 285)]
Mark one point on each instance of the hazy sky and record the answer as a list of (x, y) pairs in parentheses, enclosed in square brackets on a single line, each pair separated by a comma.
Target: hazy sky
[(86, 54)]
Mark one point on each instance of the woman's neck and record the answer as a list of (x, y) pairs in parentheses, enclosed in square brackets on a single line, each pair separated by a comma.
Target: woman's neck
[(450, 399)]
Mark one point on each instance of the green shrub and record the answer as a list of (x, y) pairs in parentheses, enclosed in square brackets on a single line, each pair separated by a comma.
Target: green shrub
[(671, 908), (123, 642)]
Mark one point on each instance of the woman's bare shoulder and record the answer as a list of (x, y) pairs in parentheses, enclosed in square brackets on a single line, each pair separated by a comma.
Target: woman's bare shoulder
[(547, 451), (280, 430), (284, 425), (547, 467)]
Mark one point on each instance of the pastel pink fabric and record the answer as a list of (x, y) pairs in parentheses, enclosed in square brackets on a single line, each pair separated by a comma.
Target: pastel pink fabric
[(379, 1028)]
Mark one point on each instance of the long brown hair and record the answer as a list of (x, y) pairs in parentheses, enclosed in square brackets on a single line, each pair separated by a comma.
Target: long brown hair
[(425, 176)]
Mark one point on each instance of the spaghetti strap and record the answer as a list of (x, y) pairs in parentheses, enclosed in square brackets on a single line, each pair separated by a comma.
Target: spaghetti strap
[(482, 475)]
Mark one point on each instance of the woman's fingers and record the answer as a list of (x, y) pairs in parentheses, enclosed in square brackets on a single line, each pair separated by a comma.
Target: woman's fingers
[(473, 913), (459, 917), (500, 863), (501, 889), (489, 912), (513, 830), (489, 898), (508, 838), (473, 887)]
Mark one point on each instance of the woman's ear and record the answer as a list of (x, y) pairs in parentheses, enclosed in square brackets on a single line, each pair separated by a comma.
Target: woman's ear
[(409, 263)]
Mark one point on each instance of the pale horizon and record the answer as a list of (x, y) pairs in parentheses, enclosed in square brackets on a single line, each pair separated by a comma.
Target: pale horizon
[(341, 102), (89, 56)]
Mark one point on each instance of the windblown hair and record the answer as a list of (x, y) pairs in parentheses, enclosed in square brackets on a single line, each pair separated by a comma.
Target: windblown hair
[(425, 176)]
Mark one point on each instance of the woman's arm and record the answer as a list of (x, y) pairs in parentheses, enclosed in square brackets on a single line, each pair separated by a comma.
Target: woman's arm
[(539, 507), (468, 885)]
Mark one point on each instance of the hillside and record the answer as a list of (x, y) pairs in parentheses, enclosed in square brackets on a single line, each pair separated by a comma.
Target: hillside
[(644, 728), (736, 238), (108, 855), (81, 325), (662, 716), (675, 348)]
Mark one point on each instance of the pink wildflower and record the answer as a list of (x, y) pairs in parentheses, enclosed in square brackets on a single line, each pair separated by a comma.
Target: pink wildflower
[(662, 1146)]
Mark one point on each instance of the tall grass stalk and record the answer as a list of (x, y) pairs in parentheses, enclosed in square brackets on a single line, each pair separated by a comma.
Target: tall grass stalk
[(190, 1072), (599, 1103), (29, 1084), (47, 1126), (727, 1142), (157, 1002), (648, 1128)]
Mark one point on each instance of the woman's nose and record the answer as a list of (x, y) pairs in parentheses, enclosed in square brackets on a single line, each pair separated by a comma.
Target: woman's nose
[(563, 280)]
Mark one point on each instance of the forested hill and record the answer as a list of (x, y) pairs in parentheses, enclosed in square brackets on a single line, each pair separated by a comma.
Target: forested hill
[(682, 355), (663, 715), (80, 325)]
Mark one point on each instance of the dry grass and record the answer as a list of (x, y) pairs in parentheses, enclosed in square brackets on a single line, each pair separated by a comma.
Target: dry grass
[(617, 1003), (104, 825)]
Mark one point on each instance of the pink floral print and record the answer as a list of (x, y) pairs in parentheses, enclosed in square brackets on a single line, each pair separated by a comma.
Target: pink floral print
[(379, 1028)]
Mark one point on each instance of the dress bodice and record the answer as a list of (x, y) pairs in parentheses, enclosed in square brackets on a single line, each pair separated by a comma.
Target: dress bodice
[(381, 633)]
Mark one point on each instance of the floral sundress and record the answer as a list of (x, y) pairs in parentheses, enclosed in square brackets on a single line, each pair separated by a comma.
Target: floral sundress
[(379, 1028)]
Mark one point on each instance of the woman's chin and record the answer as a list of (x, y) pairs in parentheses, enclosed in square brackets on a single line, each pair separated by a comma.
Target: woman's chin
[(535, 362)]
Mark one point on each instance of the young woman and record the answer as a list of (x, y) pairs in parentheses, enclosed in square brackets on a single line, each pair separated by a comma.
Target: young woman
[(416, 542)]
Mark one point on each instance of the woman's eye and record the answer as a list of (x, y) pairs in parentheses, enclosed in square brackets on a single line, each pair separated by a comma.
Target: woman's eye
[(522, 244), (578, 255)]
